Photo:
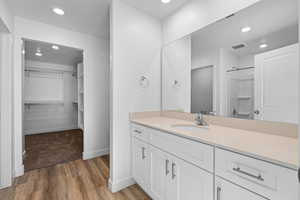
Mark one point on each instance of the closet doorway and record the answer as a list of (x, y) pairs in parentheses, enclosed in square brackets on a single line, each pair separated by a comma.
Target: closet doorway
[(53, 99)]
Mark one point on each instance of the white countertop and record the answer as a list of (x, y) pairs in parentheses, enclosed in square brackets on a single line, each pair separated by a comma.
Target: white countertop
[(276, 149)]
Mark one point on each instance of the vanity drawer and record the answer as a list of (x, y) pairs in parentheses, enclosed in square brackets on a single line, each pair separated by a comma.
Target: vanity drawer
[(191, 151), (269, 180), (140, 132)]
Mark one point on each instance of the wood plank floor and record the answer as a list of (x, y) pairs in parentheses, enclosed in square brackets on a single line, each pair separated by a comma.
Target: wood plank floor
[(48, 149), (75, 180)]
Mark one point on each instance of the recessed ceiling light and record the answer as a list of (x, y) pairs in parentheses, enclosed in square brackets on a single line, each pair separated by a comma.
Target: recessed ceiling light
[(55, 47), (262, 46), (246, 29), (58, 11), (38, 52), (165, 1)]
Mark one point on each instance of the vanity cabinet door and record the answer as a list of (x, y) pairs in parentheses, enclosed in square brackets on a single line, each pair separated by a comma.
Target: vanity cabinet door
[(140, 168), (159, 170), (228, 191), (189, 182)]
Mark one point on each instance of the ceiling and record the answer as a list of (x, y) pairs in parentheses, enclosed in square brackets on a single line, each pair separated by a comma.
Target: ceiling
[(272, 22), (156, 8), (63, 56), (85, 16)]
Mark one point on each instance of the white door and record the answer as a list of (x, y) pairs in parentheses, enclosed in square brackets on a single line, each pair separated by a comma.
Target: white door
[(192, 182), (227, 191), (159, 170), (277, 85), (141, 163)]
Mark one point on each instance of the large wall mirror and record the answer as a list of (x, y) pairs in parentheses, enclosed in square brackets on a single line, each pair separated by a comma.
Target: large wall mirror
[(244, 66)]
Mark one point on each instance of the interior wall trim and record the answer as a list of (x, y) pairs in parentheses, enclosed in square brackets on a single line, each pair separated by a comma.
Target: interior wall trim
[(93, 154), (120, 184), (19, 171)]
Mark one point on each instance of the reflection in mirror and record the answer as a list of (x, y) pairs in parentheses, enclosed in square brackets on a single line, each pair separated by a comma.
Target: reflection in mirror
[(244, 66)]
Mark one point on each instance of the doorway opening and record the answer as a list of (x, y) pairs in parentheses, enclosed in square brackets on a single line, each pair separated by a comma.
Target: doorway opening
[(202, 90), (53, 104)]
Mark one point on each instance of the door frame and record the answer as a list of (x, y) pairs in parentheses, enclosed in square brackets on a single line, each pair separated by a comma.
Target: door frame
[(18, 93), (6, 107)]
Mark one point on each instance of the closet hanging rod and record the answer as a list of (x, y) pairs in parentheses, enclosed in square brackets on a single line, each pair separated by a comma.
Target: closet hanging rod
[(239, 68), (48, 71)]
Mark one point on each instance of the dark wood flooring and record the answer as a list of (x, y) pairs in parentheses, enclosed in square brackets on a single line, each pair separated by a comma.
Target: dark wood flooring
[(48, 149), (75, 180)]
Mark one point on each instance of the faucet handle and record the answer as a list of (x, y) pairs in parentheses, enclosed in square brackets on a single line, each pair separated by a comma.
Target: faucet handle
[(199, 116), (213, 113)]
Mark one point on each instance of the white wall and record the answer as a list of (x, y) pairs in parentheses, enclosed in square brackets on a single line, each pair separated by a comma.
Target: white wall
[(204, 57), (6, 141), (59, 86), (96, 85), (6, 41), (199, 13), (6, 17), (246, 61), (135, 52), (176, 66)]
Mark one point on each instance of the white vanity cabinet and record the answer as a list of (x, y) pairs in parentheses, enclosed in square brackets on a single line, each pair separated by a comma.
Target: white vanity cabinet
[(165, 176), (141, 163), (170, 167), (225, 190), (172, 178), (191, 181), (266, 179)]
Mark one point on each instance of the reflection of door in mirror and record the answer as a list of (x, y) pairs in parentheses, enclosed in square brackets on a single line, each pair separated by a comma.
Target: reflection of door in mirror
[(276, 84), (202, 90), (240, 93)]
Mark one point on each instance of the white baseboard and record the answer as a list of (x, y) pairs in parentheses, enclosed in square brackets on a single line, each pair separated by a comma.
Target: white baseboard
[(48, 130), (93, 154), (19, 171), (120, 185)]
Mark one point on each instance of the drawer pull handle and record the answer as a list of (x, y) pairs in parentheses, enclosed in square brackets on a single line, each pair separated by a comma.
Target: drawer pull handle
[(219, 189), (137, 131), (258, 177), (143, 153), (173, 170), (167, 167)]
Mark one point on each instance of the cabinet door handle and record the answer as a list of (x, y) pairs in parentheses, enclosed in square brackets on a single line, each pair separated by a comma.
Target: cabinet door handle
[(143, 153), (167, 167), (258, 177), (219, 189), (137, 131), (173, 170)]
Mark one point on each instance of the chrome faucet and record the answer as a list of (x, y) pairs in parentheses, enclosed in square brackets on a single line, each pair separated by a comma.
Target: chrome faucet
[(200, 120)]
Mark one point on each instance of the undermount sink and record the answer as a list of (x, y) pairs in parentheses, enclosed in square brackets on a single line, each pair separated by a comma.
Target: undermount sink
[(192, 128)]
